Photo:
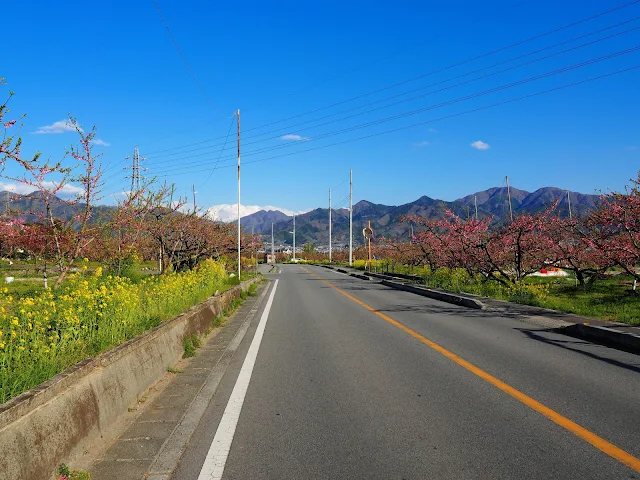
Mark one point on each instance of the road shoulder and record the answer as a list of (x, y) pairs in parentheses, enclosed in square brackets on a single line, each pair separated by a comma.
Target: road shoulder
[(153, 435)]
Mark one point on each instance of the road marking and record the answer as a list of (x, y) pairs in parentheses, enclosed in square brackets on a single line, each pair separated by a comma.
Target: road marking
[(167, 458), (586, 435), (216, 458)]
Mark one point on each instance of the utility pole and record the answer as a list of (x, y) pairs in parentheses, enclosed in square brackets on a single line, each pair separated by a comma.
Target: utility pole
[(135, 169), (329, 225), (350, 217), (255, 254), (569, 202), (238, 115), (193, 189), (475, 202), (294, 237), (273, 258), (509, 196)]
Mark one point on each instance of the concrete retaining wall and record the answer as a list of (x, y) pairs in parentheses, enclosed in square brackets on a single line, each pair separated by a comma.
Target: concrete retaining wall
[(55, 420)]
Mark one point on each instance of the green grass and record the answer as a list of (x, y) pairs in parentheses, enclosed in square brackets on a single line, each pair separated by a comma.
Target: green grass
[(27, 288), (191, 343), (608, 299)]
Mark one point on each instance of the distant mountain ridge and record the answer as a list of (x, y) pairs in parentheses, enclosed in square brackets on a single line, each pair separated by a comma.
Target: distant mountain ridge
[(33, 202), (386, 221), (313, 226)]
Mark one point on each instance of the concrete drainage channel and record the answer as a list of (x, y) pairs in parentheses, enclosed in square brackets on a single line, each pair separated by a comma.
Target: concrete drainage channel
[(55, 421), (612, 334)]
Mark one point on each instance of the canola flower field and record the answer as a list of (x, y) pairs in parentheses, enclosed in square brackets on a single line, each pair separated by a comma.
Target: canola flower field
[(42, 335)]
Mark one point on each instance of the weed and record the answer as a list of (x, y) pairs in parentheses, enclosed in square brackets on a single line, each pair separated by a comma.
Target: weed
[(174, 370), (189, 348), (64, 473)]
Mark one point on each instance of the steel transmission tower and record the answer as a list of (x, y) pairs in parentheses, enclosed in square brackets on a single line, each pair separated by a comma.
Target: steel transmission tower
[(136, 168)]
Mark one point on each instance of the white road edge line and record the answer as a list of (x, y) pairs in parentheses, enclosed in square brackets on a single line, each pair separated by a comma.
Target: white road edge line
[(216, 458)]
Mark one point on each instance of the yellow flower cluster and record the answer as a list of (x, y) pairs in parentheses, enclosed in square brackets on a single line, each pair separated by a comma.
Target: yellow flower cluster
[(41, 336), (361, 264)]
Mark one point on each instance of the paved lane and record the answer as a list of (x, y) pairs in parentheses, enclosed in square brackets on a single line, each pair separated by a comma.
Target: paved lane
[(339, 392)]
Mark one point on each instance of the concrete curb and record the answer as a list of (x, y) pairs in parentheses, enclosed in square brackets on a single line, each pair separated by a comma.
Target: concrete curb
[(437, 295), (361, 277), (629, 342), (610, 334), (572, 325), (54, 421)]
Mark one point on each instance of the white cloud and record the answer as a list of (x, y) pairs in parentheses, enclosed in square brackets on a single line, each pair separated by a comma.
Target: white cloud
[(60, 126), (18, 188), (296, 138), (97, 141), (121, 195), (480, 145), (229, 212), (22, 189), (421, 144)]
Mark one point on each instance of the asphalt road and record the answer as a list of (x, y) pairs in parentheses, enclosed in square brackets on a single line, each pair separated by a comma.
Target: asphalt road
[(340, 391)]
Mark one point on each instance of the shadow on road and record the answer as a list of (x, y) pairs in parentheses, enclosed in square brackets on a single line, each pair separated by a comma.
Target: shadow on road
[(574, 346)]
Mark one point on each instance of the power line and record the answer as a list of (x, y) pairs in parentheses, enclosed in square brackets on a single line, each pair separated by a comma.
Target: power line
[(433, 84), (368, 124), (184, 59), (445, 103), (433, 72), (221, 150), (446, 117)]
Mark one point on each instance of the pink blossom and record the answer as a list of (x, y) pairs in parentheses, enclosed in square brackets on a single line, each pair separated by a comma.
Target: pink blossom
[(10, 124)]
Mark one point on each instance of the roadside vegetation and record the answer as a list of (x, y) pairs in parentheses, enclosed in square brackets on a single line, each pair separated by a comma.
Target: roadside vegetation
[(78, 278), (588, 266), (92, 312), (610, 298)]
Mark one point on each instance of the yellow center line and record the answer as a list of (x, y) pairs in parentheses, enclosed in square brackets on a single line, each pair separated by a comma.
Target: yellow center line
[(588, 436)]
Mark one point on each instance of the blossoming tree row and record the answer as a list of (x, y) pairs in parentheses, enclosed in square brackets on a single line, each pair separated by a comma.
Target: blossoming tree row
[(607, 237)]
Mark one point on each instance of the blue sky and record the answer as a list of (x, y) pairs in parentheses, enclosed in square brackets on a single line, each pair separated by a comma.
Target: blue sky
[(113, 65)]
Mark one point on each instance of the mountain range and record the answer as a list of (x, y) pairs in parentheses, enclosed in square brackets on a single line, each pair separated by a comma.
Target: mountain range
[(313, 226)]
